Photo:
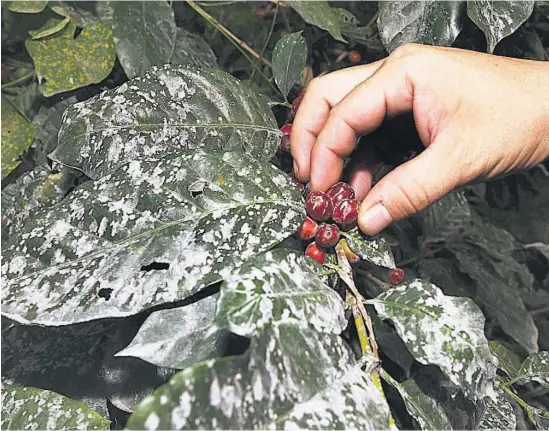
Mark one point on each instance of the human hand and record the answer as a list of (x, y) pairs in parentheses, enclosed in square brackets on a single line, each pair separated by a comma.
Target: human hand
[(479, 116)]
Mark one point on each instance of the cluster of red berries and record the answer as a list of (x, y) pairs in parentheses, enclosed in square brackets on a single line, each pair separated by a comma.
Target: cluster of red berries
[(339, 205)]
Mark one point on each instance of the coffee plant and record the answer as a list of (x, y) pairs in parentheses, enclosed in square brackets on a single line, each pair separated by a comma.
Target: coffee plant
[(162, 269)]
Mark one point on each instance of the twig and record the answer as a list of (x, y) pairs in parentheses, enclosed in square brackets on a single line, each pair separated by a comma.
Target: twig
[(405, 262), (268, 37), (346, 274), (539, 311), (372, 20), (227, 32), (18, 80)]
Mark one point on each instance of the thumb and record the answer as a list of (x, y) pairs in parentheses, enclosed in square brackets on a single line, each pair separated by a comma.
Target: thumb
[(407, 190)]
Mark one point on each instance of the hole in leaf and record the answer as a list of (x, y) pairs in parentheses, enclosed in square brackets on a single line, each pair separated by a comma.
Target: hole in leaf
[(105, 293), (155, 266), (197, 188)]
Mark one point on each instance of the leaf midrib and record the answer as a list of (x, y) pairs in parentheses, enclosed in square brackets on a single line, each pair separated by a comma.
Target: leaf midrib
[(177, 125), (195, 217), (407, 307)]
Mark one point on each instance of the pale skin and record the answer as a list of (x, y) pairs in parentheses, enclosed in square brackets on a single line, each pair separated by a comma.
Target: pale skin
[(479, 116)]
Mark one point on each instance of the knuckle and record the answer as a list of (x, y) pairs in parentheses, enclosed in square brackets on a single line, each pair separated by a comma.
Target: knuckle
[(314, 86), (406, 50)]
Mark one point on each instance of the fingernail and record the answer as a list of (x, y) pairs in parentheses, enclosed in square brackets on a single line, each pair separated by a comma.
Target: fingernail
[(375, 219)]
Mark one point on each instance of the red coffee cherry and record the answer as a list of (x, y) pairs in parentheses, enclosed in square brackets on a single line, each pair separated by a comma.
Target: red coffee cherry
[(346, 212), (354, 57), (286, 128), (307, 230), (327, 235), (319, 206), (340, 191), (315, 252), (396, 275)]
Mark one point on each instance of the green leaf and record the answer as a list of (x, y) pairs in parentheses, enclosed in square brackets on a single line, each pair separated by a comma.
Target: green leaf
[(484, 253), (446, 274), (508, 361), (278, 287), (67, 64), (29, 101), (192, 49), (33, 408), (52, 25), (86, 13), (423, 408), (430, 22), (374, 250), (289, 57), (27, 6), (170, 110), (179, 337), (441, 330), (126, 381), (535, 367), (197, 216), (445, 217), (319, 13), (498, 19), (363, 35), (144, 33), (48, 121), (291, 378), (496, 413), (17, 137)]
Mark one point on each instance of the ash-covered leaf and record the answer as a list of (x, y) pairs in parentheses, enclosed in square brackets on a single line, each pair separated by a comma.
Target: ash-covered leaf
[(179, 337), (319, 13), (169, 110), (442, 330), (144, 34), (445, 217), (192, 49), (535, 367), (508, 361), (498, 19), (497, 413), (34, 408), (156, 231), (485, 253), (33, 190), (278, 287), (375, 250), (430, 22), (423, 408), (17, 137), (291, 378), (289, 57)]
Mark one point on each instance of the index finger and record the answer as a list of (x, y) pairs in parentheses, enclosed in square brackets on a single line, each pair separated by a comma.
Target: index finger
[(322, 94), (386, 93)]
